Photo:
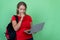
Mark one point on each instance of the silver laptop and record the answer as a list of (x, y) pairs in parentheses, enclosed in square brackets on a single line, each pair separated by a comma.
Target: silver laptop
[(36, 28)]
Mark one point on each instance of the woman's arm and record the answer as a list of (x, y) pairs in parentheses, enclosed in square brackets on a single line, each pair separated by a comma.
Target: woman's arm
[(16, 25)]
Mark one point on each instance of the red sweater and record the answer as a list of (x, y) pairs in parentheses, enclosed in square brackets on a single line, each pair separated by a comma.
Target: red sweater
[(20, 34)]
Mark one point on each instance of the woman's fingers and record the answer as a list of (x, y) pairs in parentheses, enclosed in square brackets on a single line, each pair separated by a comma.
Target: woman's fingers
[(27, 31)]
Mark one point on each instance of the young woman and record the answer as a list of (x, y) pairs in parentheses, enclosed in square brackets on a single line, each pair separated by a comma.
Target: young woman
[(24, 23)]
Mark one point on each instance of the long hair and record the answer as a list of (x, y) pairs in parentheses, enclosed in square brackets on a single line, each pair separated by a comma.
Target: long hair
[(19, 4)]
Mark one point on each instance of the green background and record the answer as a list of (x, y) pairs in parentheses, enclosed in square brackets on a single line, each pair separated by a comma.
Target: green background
[(40, 10)]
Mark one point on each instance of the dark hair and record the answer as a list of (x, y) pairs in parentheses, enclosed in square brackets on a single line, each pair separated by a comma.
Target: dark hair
[(19, 4)]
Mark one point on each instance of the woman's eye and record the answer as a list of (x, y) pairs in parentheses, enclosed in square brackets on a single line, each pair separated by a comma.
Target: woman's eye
[(22, 9)]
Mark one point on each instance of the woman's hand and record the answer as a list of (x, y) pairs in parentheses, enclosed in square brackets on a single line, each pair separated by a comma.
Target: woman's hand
[(28, 31), (22, 16)]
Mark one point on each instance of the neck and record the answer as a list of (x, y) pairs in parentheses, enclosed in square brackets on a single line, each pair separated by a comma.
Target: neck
[(18, 14)]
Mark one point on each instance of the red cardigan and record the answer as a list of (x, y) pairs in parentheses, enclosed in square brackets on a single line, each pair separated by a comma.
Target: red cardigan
[(20, 34)]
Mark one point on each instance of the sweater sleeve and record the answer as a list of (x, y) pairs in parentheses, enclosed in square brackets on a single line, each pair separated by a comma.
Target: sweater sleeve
[(13, 18), (29, 18)]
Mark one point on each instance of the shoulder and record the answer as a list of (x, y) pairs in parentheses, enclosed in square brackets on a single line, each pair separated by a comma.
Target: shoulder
[(13, 17), (29, 17)]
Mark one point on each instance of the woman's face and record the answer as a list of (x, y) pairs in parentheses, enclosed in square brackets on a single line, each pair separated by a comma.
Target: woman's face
[(22, 9)]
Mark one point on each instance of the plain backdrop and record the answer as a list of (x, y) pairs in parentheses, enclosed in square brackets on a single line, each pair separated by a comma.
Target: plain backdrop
[(40, 10)]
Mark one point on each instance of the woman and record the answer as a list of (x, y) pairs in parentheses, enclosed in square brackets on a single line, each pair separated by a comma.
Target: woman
[(24, 23)]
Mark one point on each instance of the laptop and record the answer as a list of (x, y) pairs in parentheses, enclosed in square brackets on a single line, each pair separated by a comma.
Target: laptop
[(36, 28)]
